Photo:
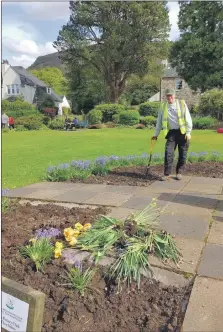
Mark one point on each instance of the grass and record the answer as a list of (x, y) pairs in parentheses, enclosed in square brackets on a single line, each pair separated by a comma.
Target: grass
[(26, 155)]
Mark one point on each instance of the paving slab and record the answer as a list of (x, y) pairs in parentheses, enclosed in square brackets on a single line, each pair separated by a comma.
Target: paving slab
[(121, 213), (196, 199), (121, 189), (216, 233), (205, 308), (168, 278), (109, 199), (159, 187), (74, 255), (75, 196), (191, 211), (45, 193), (191, 251), (97, 188), (65, 205), (140, 202), (206, 188), (55, 185), (21, 192), (211, 264), (194, 227), (206, 180)]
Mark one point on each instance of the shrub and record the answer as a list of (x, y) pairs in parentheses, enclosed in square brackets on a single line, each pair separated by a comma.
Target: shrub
[(16, 105), (108, 110), (46, 120), (211, 103), (48, 102), (140, 126), (204, 123), (66, 111), (5, 130), (149, 108), (130, 117), (20, 113), (115, 118), (148, 121), (110, 124), (96, 126), (57, 124), (50, 112), (21, 128), (29, 122), (95, 116)]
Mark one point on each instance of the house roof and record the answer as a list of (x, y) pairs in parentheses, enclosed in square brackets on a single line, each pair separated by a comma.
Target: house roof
[(170, 72), (28, 78)]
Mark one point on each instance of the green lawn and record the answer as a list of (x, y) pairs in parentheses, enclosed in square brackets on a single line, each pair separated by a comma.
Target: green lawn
[(26, 155)]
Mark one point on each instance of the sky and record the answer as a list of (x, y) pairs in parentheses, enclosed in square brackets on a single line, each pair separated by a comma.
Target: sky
[(29, 28)]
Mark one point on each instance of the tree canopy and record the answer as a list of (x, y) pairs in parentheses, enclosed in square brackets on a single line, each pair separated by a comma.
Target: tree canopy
[(53, 77), (114, 38), (198, 54)]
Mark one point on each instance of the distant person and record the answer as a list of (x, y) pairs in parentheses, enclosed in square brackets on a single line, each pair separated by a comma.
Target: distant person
[(175, 120), (5, 120), (11, 122), (76, 121)]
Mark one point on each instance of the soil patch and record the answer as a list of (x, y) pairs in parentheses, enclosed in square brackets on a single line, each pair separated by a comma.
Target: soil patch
[(152, 308), (136, 175)]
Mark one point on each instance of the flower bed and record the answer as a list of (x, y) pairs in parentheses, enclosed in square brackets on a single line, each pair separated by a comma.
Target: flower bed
[(85, 297), (92, 170)]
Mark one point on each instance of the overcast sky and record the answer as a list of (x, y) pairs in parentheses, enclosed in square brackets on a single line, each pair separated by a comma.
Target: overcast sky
[(29, 28)]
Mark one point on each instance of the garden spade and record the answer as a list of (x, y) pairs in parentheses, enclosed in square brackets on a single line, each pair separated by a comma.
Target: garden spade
[(152, 144)]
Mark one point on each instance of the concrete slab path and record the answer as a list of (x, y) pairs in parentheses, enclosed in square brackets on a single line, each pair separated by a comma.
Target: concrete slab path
[(192, 210)]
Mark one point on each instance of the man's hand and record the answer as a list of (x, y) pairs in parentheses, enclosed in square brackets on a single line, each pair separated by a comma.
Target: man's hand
[(188, 137), (154, 138)]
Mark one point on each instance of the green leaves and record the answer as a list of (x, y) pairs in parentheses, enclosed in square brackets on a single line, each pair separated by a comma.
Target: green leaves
[(40, 252), (80, 280)]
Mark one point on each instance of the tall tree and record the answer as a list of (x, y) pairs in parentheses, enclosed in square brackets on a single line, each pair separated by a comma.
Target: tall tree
[(53, 77), (117, 38), (198, 54)]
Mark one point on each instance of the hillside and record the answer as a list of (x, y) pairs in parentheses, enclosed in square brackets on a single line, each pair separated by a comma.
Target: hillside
[(49, 60)]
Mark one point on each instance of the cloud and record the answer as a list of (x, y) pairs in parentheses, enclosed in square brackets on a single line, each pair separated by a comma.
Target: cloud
[(173, 16), (23, 60), (49, 11)]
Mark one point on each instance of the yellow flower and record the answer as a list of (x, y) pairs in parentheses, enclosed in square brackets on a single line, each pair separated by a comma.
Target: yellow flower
[(79, 227), (57, 253), (59, 245), (73, 241), (87, 226), (68, 232), (33, 240), (76, 233)]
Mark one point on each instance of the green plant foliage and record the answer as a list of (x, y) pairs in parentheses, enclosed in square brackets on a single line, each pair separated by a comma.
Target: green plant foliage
[(130, 117), (39, 251), (20, 128), (149, 121), (204, 123), (149, 108), (95, 116), (16, 106), (108, 110), (29, 122), (57, 123), (211, 103), (79, 280)]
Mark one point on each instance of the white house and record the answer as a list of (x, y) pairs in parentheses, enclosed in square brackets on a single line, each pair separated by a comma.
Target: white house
[(17, 81)]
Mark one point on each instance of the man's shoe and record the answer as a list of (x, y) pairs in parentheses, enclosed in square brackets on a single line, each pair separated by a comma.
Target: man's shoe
[(179, 176), (165, 178)]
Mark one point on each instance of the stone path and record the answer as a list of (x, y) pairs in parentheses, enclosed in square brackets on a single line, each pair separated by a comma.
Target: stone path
[(192, 210)]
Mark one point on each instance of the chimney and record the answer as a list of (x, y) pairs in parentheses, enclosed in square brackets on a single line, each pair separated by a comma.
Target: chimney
[(5, 66)]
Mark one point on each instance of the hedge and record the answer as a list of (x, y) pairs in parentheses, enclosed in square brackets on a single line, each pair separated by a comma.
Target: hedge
[(95, 116), (149, 108), (108, 110), (57, 124), (148, 121), (130, 117), (17, 105), (29, 122), (204, 123)]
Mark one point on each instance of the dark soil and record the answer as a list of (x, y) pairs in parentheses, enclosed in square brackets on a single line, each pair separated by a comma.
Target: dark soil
[(153, 308), (136, 175)]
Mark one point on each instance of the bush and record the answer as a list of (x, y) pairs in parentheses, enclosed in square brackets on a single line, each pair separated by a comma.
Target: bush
[(48, 102), (57, 124), (95, 116), (66, 111), (211, 103), (110, 125), (50, 112), (29, 122), (96, 126), (115, 118), (21, 128), (5, 130), (17, 105), (20, 113), (204, 123), (148, 121), (108, 110), (149, 108), (130, 117)]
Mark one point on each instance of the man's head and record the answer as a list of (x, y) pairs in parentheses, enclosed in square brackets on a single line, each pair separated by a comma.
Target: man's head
[(170, 95)]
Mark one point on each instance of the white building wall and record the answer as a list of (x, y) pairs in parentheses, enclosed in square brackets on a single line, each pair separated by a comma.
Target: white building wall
[(9, 77)]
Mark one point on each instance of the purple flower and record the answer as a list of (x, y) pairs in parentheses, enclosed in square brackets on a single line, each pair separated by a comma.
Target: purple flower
[(47, 233), (81, 164), (101, 161), (63, 166)]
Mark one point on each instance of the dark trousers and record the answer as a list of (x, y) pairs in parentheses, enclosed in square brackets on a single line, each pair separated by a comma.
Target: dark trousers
[(174, 138)]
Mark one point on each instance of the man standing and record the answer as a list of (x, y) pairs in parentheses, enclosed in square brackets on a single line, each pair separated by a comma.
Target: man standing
[(175, 120)]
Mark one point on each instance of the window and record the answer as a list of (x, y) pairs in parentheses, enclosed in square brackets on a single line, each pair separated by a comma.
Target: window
[(48, 90), (179, 84), (13, 89)]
